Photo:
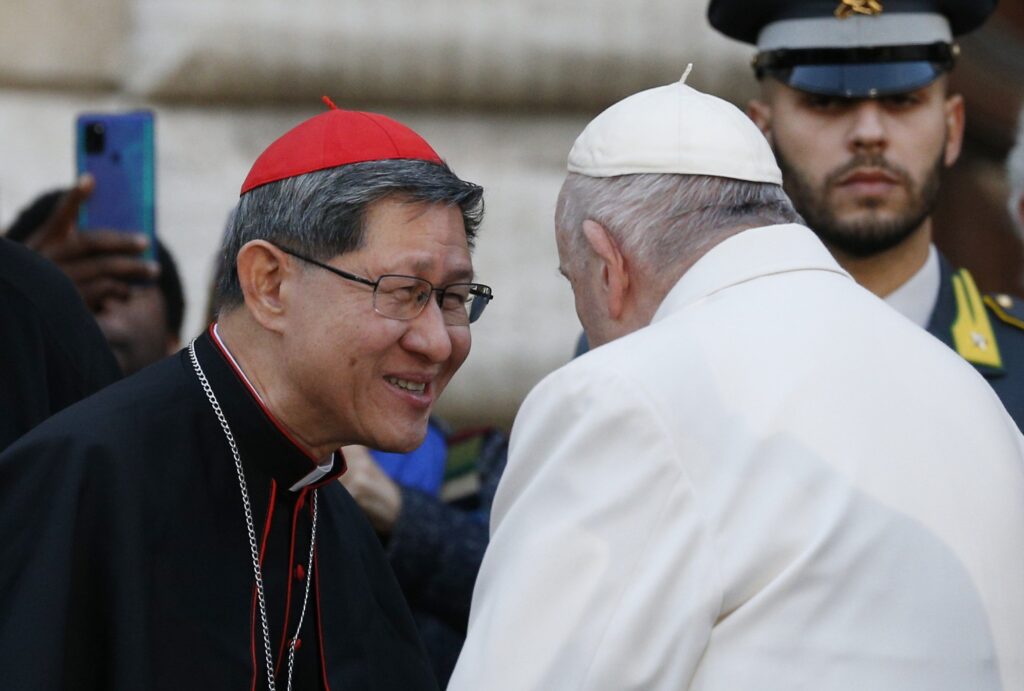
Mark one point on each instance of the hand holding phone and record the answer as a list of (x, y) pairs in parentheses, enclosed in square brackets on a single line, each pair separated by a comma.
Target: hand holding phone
[(102, 264)]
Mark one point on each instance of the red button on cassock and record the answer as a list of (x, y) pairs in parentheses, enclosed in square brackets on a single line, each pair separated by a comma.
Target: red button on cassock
[(300, 572)]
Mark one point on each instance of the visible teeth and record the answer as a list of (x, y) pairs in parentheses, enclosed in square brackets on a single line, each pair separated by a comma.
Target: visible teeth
[(417, 387)]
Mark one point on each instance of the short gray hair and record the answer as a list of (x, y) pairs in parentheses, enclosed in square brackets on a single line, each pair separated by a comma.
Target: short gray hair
[(322, 214), (1015, 176), (659, 219)]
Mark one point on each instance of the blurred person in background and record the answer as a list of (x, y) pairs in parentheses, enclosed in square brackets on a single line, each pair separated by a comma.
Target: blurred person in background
[(183, 528), (101, 263), (140, 315), (145, 327), (1015, 180), (855, 102), (761, 477), (51, 352)]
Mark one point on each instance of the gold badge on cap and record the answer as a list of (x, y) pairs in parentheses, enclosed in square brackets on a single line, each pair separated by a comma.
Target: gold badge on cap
[(848, 8)]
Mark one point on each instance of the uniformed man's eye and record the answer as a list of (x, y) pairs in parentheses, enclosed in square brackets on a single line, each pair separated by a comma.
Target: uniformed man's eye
[(823, 103), (900, 100)]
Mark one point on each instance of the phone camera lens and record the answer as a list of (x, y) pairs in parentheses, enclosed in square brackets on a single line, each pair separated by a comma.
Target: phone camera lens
[(95, 138)]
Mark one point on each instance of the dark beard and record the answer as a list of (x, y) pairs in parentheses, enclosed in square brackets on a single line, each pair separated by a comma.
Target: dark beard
[(871, 236)]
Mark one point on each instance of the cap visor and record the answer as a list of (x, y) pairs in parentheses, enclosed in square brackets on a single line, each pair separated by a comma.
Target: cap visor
[(861, 80)]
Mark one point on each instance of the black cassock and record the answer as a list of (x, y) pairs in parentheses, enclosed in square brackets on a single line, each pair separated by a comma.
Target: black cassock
[(52, 352), (125, 561)]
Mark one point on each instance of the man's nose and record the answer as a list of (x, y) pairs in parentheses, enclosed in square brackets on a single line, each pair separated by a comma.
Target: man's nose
[(868, 132), (428, 334)]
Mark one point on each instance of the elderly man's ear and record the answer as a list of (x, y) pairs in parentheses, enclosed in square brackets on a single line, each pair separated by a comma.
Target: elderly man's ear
[(263, 273), (613, 281)]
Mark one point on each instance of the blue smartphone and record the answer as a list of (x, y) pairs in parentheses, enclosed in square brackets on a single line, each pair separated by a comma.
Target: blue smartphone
[(117, 149)]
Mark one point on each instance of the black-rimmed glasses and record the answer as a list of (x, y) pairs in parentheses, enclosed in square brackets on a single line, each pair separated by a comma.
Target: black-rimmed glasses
[(396, 296)]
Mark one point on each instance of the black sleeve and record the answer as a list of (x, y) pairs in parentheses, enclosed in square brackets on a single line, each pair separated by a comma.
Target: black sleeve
[(52, 352)]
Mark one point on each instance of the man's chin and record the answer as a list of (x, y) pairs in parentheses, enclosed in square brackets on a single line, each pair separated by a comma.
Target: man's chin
[(403, 440), (863, 242), (124, 358)]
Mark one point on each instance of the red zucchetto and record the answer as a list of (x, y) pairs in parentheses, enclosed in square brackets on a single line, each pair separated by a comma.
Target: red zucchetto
[(336, 138)]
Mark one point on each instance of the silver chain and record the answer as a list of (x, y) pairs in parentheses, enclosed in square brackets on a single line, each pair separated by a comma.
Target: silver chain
[(249, 526)]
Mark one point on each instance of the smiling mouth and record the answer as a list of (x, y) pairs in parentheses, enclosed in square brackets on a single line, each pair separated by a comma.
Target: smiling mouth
[(413, 386)]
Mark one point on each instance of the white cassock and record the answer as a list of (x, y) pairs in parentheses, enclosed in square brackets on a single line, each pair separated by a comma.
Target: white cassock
[(781, 483)]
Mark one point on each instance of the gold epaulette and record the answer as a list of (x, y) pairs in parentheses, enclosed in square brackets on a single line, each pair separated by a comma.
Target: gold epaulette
[(1001, 305), (973, 336)]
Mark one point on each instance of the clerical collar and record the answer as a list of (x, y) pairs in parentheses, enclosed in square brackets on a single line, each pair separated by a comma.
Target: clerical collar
[(324, 467), (916, 298)]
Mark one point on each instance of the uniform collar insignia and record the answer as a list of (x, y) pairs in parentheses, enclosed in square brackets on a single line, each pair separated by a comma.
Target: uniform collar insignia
[(848, 8), (973, 335)]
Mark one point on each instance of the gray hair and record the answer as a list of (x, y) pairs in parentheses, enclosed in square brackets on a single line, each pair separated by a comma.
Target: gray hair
[(660, 219), (1015, 176), (322, 214)]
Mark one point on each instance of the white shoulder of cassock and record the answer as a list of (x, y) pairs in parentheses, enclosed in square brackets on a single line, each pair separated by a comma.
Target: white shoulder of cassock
[(583, 530)]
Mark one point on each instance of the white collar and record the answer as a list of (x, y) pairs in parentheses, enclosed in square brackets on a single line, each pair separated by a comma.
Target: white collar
[(322, 468), (747, 255), (916, 298)]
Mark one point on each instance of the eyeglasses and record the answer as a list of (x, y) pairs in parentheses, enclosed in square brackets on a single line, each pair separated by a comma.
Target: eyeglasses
[(403, 297)]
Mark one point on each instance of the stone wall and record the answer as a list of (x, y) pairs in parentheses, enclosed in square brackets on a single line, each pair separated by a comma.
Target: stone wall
[(520, 54), (55, 44)]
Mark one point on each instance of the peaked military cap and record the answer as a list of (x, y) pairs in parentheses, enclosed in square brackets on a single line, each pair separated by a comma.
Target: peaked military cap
[(851, 48)]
